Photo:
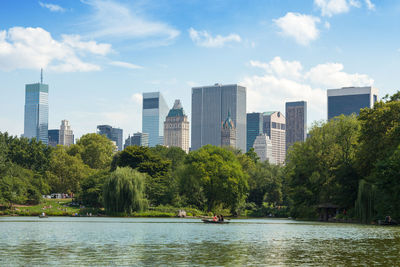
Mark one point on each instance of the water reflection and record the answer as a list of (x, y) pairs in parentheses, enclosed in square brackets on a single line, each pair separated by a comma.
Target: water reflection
[(116, 241)]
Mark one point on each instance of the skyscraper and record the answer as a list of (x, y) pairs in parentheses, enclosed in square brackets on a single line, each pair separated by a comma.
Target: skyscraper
[(228, 133), (36, 121), (114, 134), (54, 137), (274, 126), (155, 110), (210, 106), (254, 128), (263, 148), (66, 134), (137, 139), (176, 128), (296, 122), (348, 100)]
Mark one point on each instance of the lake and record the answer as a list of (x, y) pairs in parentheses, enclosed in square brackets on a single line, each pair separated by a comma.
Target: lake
[(94, 241)]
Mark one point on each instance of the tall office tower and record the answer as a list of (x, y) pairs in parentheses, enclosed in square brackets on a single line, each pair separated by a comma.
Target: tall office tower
[(296, 122), (176, 128), (348, 100), (263, 148), (155, 110), (66, 134), (36, 121), (254, 128), (137, 139), (274, 125), (54, 137), (114, 134), (228, 132), (210, 106)]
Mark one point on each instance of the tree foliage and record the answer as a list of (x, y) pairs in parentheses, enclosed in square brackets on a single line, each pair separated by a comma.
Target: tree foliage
[(124, 191)]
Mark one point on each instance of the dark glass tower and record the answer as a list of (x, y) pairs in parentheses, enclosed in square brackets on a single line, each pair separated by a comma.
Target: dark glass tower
[(296, 122), (254, 128)]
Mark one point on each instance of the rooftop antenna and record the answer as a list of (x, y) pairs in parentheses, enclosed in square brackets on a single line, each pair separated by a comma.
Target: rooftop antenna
[(41, 75)]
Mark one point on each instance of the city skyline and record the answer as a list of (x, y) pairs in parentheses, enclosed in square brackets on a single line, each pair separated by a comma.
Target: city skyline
[(97, 74)]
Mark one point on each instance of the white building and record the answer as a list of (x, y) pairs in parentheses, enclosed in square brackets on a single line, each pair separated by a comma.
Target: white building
[(263, 148), (66, 137), (274, 125)]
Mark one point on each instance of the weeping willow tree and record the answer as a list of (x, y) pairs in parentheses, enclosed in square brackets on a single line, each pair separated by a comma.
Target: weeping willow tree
[(124, 191), (365, 202)]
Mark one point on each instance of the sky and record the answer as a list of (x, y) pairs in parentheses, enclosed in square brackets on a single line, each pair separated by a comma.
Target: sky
[(100, 56)]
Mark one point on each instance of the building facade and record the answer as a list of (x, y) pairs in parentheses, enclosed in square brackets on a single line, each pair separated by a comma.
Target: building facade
[(210, 106), (137, 139), (54, 137), (114, 134), (348, 100), (263, 148), (155, 110), (296, 122), (36, 118), (274, 126), (176, 128), (228, 133), (66, 134), (254, 128)]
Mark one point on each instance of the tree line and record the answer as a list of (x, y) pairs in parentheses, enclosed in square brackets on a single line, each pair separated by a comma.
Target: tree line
[(351, 161)]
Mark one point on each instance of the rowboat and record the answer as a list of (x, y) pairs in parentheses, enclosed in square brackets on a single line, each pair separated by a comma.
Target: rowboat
[(216, 222)]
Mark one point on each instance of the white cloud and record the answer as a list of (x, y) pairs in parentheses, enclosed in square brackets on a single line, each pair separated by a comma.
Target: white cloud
[(331, 75), (74, 41), (301, 27), (113, 20), (287, 81), (334, 7), (327, 25), (125, 65), (137, 98), (370, 5), (203, 38), (52, 7), (34, 48)]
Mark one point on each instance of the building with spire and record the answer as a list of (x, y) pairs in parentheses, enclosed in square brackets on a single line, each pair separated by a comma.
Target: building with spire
[(228, 132), (176, 128), (36, 117)]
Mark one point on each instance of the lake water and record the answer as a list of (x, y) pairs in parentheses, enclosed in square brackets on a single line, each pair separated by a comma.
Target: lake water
[(29, 241)]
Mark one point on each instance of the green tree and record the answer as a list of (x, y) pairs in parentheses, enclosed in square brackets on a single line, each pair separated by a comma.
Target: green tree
[(91, 193), (124, 191), (321, 170), (158, 170), (217, 176), (95, 150), (66, 171)]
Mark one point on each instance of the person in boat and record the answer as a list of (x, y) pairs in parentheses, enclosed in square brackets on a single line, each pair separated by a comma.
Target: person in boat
[(221, 218), (388, 219), (215, 218)]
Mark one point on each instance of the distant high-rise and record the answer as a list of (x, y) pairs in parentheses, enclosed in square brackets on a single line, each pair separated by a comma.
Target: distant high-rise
[(54, 137), (210, 106), (254, 128), (36, 121), (348, 100), (228, 133), (66, 134), (263, 148), (176, 128), (274, 126), (155, 110), (114, 134), (296, 122), (137, 139)]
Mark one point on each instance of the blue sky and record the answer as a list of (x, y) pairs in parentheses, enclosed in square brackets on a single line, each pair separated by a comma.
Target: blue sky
[(99, 56)]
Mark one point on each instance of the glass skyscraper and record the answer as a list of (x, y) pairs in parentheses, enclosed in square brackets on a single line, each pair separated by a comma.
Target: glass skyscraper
[(348, 100), (296, 122), (36, 119), (155, 110), (210, 106), (54, 137), (254, 128), (114, 134)]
